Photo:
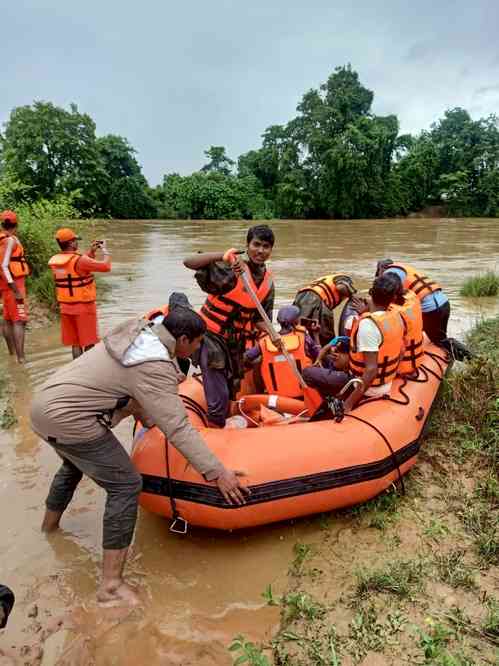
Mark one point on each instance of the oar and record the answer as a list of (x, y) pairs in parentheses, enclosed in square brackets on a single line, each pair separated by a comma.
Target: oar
[(313, 399)]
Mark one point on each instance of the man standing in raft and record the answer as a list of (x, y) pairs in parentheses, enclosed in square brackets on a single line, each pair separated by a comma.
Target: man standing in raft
[(230, 314), (375, 348), (13, 271), (318, 299), (435, 305), (75, 289), (74, 410)]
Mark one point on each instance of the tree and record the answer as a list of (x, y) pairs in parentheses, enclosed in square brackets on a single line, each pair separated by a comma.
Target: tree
[(53, 151), (128, 199), (118, 161), (219, 162), (118, 158)]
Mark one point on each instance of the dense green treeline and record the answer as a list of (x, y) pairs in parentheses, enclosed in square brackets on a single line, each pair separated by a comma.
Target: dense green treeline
[(334, 159)]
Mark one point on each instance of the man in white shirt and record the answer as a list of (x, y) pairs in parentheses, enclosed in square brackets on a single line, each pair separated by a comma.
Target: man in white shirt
[(375, 348)]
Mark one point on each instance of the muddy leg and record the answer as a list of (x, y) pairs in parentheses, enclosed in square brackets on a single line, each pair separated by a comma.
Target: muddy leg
[(113, 589), (19, 328), (60, 494), (8, 335)]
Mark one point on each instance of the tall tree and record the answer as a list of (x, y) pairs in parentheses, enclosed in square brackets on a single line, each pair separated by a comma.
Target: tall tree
[(219, 161), (53, 151)]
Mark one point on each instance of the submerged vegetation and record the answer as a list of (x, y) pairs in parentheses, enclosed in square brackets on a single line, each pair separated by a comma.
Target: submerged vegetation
[(413, 577), (481, 285), (335, 159)]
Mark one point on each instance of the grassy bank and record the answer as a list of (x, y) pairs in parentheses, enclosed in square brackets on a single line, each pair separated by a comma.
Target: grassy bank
[(408, 579), (38, 223), (478, 286)]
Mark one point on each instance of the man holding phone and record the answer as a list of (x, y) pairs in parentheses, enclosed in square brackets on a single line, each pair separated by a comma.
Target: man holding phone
[(75, 289)]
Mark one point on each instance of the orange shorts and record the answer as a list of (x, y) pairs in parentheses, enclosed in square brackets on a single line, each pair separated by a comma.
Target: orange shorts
[(12, 310), (79, 330)]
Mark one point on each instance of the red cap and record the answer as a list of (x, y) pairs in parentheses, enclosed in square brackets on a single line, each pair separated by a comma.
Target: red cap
[(8, 216), (66, 234)]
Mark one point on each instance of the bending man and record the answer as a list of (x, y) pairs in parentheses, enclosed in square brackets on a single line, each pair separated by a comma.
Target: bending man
[(73, 411), (435, 306)]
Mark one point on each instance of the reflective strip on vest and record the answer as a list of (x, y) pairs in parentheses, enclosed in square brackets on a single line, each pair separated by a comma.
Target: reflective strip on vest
[(391, 328)]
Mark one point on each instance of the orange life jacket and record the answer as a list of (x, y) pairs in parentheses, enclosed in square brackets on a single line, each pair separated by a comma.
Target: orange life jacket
[(152, 314), (390, 326), (412, 320), (234, 314), (326, 288), (276, 371), (18, 266), (70, 286), (417, 282)]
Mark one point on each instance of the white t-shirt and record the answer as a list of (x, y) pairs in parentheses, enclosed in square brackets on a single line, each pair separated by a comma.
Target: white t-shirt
[(369, 339)]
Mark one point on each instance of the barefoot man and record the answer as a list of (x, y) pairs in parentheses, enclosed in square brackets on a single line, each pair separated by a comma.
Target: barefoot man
[(133, 370)]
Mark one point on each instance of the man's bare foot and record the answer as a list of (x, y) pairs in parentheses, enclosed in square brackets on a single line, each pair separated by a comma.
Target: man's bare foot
[(51, 520), (117, 594)]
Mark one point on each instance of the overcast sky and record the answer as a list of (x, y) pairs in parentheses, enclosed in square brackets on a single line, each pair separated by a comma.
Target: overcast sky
[(177, 77)]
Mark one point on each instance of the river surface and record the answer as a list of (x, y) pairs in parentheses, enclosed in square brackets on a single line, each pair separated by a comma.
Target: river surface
[(203, 589)]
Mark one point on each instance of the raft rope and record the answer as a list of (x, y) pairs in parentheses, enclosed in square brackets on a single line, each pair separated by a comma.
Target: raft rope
[(179, 525), (195, 407), (246, 416), (392, 452)]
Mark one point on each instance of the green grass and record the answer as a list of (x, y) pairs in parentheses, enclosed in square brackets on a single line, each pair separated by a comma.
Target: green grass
[(481, 521), (248, 653), (298, 605), (485, 284), (399, 578), (453, 571), (491, 623)]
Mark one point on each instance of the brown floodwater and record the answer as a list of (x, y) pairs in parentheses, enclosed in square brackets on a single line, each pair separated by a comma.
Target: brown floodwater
[(203, 589)]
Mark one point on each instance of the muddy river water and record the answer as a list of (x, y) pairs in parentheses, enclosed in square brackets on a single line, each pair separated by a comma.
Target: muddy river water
[(202, 589)]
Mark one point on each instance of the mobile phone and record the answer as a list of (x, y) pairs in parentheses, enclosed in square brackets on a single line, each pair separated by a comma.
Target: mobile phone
[(307, 321)]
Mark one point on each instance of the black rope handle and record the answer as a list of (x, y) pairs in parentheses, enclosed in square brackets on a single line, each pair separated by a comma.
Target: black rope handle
[(177, 518), (392, 452)]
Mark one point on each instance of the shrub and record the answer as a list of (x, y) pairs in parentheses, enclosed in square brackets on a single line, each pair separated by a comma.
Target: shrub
[(38, 223), (481, 285)]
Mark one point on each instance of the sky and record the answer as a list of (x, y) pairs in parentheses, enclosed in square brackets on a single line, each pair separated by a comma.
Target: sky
[(177, 77)]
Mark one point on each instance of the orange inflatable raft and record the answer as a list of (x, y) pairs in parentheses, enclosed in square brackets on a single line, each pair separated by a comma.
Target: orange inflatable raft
[(293, 468)]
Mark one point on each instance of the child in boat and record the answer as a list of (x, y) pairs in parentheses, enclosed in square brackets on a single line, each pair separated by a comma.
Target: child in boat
[(271, 368)]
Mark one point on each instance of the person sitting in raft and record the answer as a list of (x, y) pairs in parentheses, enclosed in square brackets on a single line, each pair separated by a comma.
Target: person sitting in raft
[(408, 306), (374, 354), (271, 365), (435, 306), (232, 320), (318, 299)]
